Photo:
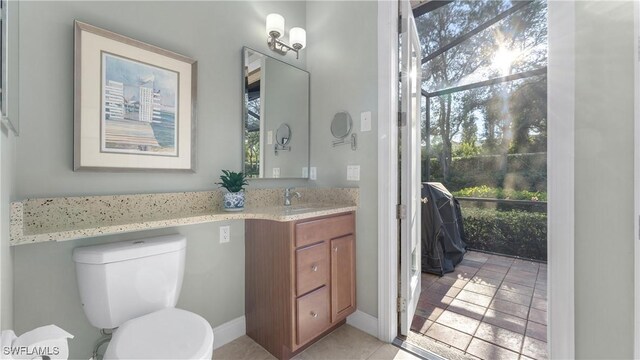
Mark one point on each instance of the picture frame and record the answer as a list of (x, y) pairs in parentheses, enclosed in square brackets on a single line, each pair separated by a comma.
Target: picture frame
[(134, 104)]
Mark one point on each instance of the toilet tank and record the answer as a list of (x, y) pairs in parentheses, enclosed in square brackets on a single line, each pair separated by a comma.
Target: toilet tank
[(127, 279)]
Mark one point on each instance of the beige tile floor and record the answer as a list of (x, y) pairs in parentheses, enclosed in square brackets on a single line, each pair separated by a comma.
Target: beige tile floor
[(490, 307), (346, 342)]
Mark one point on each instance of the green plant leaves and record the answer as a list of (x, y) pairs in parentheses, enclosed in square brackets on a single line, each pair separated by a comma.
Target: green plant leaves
[(232, 181)]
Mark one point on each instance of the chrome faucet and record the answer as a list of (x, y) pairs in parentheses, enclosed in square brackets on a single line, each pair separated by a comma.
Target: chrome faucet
[(287, 196)]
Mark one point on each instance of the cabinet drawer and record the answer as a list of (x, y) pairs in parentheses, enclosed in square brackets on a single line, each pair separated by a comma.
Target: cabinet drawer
[(312, 268), (309, 232), (312, 315)]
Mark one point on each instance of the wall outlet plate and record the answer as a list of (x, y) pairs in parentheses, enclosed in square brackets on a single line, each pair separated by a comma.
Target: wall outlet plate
[(276, 173), (365, 121), (270, 137), (305, 172), (225, 234), (353, 172), (313, 173)]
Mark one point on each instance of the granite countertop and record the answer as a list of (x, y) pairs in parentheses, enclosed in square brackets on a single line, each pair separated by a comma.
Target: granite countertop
[(69, 218)]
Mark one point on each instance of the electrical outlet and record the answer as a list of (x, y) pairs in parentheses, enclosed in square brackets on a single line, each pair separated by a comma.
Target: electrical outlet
[(353, 172), (269, 137), (313, 174), (225, 234), (305, 172), (365, 121), (276, 173)]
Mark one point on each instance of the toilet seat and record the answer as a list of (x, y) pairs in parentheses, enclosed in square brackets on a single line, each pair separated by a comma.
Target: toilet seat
[(166, 334)]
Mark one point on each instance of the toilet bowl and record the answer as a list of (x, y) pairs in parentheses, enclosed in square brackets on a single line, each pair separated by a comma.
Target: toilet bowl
[(166, 334), (133, 287)]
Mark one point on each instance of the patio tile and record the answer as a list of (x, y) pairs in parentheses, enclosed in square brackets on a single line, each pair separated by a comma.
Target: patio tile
[(522, 357), (513, 272), (517, 288), (538, 303), (490, 274), (467, 309), (474, 298), (428, 279), (540, 293), (534, 348), (471, 263), (433, 298), (420, 324), (460, 274), (538, 316), (487, 351), (510, 308), (428, 311), (499, 336), (449, 336), (459, 283), (476, 256), (505, 321), (526, 267), (466, 269), (500, 260), (521, 280), (537, 331), (458, 322), (513, 297), (443, 289), (495, 268), (487, 281), (480, 289)]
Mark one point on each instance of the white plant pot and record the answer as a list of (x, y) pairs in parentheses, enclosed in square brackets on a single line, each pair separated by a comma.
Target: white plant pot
[(234, 201)]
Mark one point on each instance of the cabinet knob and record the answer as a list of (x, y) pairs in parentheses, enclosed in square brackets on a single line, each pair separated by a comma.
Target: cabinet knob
[(314, 268), (314, 314)]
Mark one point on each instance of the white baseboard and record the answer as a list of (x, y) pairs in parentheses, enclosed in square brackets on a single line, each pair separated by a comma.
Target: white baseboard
[(365, 322), (229, 331)]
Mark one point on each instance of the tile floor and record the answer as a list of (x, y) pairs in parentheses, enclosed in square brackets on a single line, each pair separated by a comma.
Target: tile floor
[(346, 342), (490, 307)]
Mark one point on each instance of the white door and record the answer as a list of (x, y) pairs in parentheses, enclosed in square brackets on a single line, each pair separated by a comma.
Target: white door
[(409, 167)]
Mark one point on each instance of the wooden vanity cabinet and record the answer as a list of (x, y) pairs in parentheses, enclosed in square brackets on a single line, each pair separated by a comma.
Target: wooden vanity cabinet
[(299, 280)]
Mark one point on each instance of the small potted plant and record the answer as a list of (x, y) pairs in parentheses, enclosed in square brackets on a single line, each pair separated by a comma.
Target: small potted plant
[(234, 182)]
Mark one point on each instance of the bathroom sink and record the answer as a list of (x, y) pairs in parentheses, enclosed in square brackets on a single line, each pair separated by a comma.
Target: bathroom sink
[(298, 209)]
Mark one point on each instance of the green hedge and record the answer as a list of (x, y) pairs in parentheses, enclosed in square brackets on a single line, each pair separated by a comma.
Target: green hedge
[(484, 191), (515, 232)]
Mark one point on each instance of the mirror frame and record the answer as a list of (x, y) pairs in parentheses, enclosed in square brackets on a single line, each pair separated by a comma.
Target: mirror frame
[(245, 113)]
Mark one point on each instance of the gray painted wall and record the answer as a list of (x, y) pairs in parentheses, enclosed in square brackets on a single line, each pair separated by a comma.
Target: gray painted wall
[(213, 33), (604, 282), (7, 184), (342, 60)]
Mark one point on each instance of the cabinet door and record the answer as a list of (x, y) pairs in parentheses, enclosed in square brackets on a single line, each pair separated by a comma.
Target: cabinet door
[(343, 277)]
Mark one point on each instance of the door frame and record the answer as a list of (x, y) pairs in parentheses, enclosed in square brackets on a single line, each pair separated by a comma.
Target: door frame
[(560, 163), (636, 182)]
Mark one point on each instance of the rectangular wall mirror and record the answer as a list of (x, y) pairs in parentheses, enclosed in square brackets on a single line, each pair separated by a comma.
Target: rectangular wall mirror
[(275, 118)]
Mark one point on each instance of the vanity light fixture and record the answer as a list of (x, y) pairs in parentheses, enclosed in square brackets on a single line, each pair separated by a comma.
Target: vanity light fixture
[(275, 31)]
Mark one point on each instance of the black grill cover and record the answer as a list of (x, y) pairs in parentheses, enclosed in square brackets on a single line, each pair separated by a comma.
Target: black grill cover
[(443, 239)]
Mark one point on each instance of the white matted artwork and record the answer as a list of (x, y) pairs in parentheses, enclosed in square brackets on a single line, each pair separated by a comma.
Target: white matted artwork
[(134, 104)]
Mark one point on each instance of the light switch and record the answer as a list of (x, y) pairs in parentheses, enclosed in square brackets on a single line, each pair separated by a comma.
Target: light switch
[(305, 172), (365, 121), (353, 172), (270, 137), (313, 174), (276, 173)]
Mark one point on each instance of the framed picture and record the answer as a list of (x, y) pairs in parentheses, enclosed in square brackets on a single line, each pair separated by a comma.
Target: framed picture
[(134, 104)]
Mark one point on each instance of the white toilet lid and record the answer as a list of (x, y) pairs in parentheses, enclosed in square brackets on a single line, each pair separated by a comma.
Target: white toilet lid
[(166, 334)]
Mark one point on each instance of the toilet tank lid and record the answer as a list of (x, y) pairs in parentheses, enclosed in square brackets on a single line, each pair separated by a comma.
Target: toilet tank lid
[(127, 250)]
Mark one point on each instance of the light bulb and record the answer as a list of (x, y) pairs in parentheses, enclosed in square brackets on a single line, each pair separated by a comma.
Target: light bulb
[(298, 38), (275, 25)]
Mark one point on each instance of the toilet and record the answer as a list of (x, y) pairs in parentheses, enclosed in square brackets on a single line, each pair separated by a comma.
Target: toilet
[(133, 287)]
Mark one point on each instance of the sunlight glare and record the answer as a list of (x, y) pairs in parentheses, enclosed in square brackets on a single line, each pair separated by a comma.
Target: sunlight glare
[(503, 59)]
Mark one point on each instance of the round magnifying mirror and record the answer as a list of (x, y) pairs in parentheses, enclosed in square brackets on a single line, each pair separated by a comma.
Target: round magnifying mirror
[(283, 135), (341, 125)]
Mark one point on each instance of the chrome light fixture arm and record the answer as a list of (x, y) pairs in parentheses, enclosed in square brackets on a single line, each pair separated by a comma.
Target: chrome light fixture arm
[(280, 47)]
